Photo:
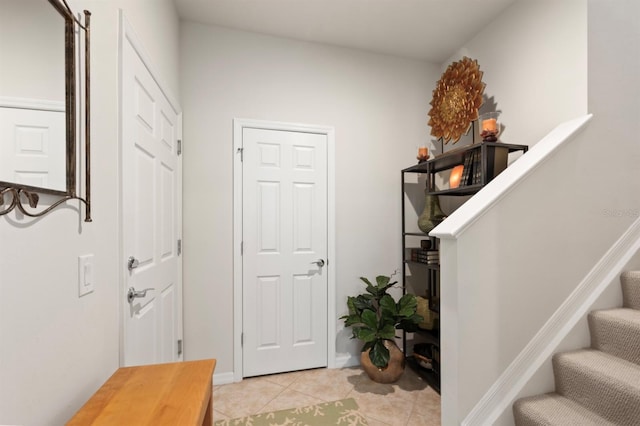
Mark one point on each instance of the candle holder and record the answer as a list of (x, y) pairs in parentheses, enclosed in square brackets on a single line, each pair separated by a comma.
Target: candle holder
[(423, 154), (489, 126)]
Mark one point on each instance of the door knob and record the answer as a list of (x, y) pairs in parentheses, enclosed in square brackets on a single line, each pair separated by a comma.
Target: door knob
[(132, 263), (319, 262), (133, 293)]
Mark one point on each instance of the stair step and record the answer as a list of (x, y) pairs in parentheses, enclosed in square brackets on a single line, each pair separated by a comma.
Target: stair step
[(630, 289), (601, 382), (616, 332), (553, 409)]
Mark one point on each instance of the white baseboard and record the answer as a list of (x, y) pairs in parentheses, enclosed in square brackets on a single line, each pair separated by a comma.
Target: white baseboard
[(223, 378), (344, 361)]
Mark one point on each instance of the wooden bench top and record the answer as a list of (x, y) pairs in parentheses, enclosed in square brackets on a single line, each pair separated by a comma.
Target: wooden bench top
[(160, 394)]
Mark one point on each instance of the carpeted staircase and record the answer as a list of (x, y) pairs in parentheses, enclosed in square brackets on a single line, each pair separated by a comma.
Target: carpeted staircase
[(599, 385)]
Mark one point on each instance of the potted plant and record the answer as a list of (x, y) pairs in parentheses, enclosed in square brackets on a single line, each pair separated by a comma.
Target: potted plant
[(374, 318)]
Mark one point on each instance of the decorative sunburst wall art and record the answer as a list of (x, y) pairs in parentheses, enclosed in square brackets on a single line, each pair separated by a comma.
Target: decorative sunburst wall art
[(456, 100)]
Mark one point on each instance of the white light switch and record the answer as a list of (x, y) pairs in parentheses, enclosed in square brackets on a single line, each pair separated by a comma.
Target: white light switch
[(85, 274)]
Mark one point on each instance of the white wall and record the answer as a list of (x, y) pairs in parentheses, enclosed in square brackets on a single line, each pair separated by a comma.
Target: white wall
[(534, 59), (55, 348), (378, 105)]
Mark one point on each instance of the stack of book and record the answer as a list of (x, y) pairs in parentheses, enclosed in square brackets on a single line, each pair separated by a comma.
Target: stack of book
[(430, 257)]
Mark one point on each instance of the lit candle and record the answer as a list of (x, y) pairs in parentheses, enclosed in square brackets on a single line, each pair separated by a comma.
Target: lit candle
[(454, 177), (489, 125), (423, 152)]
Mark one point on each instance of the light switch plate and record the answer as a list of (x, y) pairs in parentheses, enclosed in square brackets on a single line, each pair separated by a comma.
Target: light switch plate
[(85, 274)]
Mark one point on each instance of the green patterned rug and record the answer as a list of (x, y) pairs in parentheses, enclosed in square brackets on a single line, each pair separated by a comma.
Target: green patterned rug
[(342, 412)]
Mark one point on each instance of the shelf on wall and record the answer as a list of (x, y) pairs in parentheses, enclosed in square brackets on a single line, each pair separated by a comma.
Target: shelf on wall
[(455, 157), (483, 162)]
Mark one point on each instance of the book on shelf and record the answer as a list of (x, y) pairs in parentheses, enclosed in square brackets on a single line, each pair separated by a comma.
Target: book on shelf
[(427, 262), (466, 171), (424, 259), (469, 168), (477, 170), (422, 252), (472, 154), (418, 252)]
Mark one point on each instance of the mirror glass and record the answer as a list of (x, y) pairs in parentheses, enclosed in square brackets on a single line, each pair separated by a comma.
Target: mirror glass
[(33, 124)]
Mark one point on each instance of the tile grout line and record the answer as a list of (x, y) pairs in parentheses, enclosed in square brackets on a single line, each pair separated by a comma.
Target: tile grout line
[(318, 397), (413, 410), (367, 416), (284, 388)]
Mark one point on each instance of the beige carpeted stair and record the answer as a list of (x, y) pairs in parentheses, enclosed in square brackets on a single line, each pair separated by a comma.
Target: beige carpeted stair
[(600, 385)]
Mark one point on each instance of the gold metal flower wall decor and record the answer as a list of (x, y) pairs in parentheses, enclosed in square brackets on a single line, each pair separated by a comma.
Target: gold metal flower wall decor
[(456, 100)]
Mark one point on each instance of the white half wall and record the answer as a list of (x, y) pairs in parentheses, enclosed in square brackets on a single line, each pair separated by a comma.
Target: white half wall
[(377, 105), (56, 349)]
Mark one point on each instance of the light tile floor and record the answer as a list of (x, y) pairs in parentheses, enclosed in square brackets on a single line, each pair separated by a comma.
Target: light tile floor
[(408, 402)]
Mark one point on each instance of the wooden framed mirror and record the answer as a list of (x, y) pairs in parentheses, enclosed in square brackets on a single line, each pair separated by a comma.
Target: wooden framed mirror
[(43, 69)]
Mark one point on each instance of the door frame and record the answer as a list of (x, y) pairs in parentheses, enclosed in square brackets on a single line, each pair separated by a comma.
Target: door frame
[(238, 125), (128, 35)]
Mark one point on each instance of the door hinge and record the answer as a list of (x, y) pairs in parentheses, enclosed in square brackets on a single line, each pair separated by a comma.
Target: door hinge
[(241, 339), (241, 248), (179, 247), (179, 347), (241, 152), (179, 146)]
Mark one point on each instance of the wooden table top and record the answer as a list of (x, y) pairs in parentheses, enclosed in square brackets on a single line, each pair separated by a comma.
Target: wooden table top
[(159, 394)]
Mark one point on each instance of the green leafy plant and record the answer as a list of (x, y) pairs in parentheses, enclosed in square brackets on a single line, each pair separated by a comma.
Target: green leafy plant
[(375, 316)]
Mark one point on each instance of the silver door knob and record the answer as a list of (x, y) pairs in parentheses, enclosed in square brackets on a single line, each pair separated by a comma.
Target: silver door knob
[(319, 262), (133, 293), (132, 263)]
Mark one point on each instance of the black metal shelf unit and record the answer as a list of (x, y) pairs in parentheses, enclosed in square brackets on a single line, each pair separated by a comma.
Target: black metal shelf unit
[(483, 162)]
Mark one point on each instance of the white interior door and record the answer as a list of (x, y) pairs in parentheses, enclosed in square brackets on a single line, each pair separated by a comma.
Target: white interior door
[(284, 251), (151, 191)]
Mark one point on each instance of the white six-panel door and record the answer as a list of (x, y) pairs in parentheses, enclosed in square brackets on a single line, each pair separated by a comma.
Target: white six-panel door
[(151, 216), (284, 225)]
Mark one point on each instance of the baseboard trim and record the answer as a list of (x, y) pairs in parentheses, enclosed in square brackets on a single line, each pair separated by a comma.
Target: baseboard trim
[(223, 378), (503, 392), (344, 361)]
